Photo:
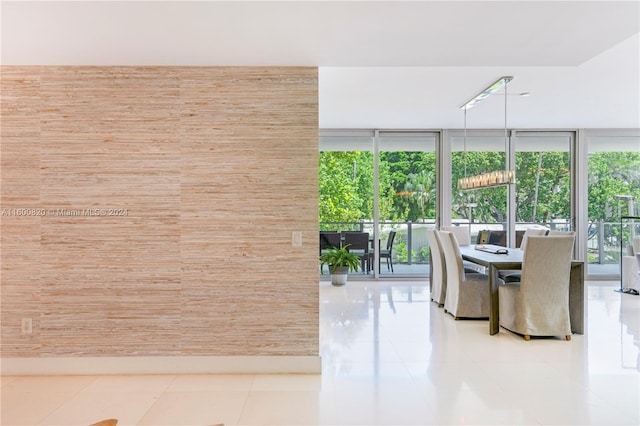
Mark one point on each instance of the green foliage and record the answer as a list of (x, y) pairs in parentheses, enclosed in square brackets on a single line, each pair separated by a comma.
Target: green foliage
[(421, 188), (337, 257), (345, 188), (401, 253), (611, 174), (423, 255), (408, 185), (406, 203), (543, 186), (491, 202)]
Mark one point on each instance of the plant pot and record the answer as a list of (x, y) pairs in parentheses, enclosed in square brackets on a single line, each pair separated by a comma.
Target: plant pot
[(339, 276)]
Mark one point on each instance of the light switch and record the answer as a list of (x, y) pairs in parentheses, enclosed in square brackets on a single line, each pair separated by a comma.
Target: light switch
[(27, 326), (296, 238)]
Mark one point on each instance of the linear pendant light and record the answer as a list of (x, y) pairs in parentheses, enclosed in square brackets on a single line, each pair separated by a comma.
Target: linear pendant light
[(495, 178)]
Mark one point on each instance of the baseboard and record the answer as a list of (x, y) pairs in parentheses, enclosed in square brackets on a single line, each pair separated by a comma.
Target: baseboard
[(161, 365)]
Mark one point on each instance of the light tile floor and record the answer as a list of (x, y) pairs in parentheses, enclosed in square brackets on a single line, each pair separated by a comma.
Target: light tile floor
[(390, 357)]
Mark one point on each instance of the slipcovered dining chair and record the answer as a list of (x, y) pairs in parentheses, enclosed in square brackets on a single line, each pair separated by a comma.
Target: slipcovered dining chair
[(539, 304), (560, 233), (514, 276), (531, 232), (437, 270), (467, 294), (464, 239), (498, 238), (461, 233)]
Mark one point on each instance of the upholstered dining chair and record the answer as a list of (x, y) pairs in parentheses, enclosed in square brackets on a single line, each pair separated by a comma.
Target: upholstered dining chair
[(552, 233), (531, 232), (461, 233), (467, 294), (464, 239), (498, 238), (483, 237), (437, 270), (539, 304), (514, 276)]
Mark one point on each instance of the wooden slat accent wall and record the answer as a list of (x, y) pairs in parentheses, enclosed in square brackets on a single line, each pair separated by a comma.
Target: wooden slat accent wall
[(208, 170)]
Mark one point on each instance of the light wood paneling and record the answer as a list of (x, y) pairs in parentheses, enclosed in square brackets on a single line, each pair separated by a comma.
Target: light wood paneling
[(208, 170)]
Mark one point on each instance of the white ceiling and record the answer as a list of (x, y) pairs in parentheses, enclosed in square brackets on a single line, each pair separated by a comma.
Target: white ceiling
[(389, 64)]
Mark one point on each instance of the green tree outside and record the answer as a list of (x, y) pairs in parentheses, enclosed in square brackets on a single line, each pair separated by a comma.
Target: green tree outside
[(408, 186)]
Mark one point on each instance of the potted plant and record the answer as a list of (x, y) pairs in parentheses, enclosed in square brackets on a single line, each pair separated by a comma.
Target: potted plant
[(340, 261)]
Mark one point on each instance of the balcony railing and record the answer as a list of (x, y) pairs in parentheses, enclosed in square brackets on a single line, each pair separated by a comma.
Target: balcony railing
[(411, 246)]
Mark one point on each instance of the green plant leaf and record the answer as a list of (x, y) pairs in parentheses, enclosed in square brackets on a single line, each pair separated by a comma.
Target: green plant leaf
[(336, 257)]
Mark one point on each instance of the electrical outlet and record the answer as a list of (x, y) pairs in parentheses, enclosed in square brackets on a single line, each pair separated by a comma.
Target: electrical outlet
[(296, 238), (27, 326)]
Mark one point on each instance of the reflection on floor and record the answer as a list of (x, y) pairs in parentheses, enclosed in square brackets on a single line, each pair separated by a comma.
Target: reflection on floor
[(389, 357)]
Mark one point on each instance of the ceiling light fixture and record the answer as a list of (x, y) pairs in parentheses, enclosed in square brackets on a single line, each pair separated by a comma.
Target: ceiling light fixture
[(496, 178), (502, 81)]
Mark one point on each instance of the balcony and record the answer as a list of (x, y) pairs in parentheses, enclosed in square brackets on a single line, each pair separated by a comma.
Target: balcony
[(410, 255)]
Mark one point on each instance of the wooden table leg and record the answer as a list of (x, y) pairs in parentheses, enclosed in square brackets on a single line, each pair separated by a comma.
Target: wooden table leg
[(576, 298), (494, 312)]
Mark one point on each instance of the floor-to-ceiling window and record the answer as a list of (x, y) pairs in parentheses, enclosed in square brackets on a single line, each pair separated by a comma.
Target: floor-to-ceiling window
[(543, 180), (345, 182), (475, 153), (403, 163), (614, 191), (389, 178), (407, 200)]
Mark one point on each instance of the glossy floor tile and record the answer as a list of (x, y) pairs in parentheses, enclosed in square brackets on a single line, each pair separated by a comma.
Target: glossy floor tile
[(390, 357)]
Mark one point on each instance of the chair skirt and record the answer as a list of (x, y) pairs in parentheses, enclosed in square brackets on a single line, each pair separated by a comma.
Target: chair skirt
[(531, 319)]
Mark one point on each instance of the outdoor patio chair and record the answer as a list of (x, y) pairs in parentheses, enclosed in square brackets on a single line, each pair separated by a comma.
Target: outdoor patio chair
[(387, 253), (358, 243), (329, 239)]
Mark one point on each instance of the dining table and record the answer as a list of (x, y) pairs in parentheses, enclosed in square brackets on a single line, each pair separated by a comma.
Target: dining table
[(497, 258)]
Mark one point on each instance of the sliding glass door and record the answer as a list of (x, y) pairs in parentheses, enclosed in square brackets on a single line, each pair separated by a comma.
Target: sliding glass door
[(345, 184), (543, 181), (480, 209), (384, 183), (542, 194), (614, 192), (407, 200), (397, 167)]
